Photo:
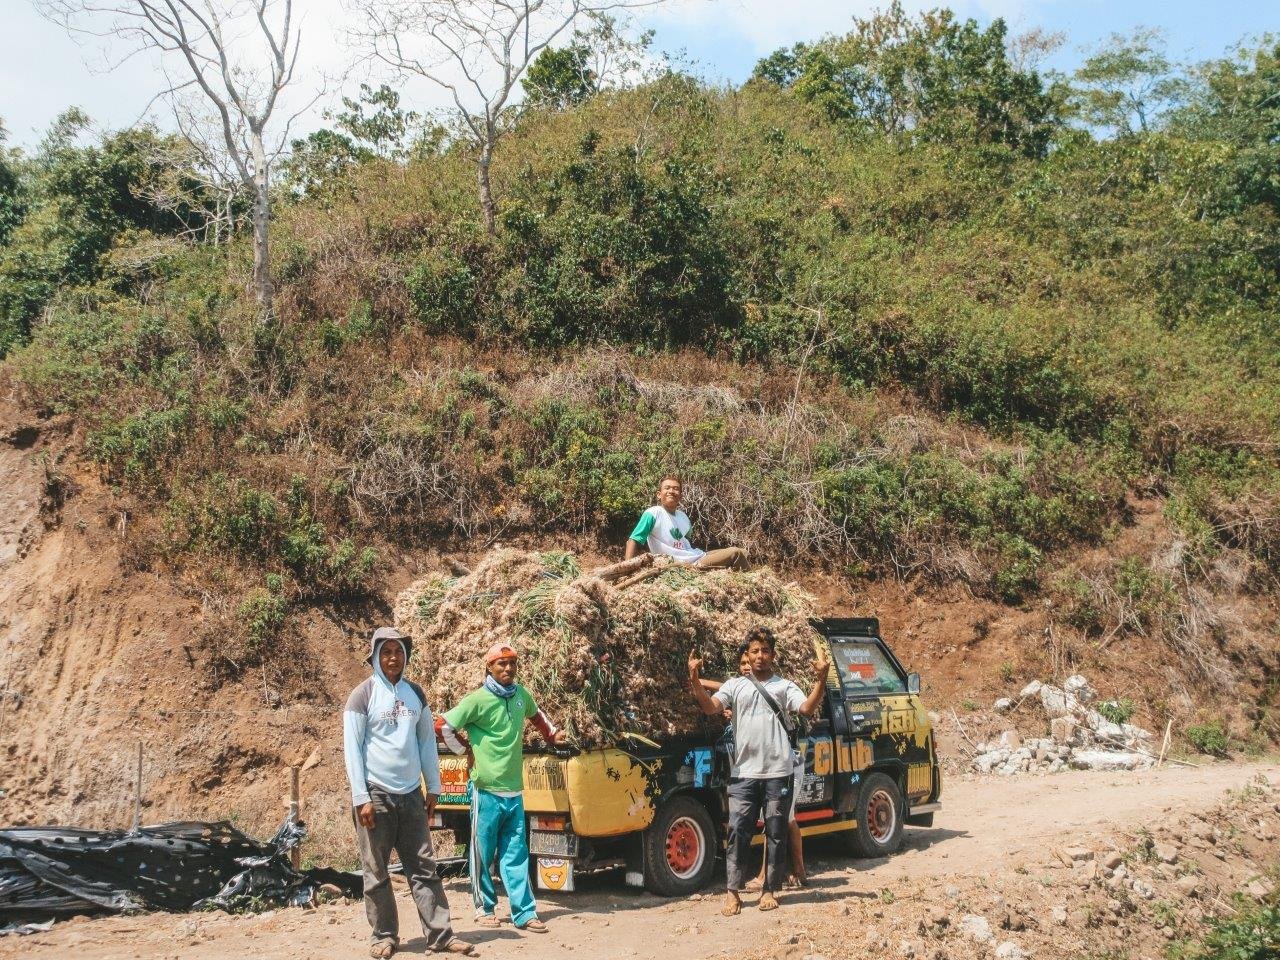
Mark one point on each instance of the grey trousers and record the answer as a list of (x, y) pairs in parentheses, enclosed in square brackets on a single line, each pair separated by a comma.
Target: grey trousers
[(749, 797), (400, 824)]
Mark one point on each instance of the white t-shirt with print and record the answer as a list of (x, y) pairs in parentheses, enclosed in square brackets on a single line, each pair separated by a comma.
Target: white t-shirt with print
[(761, 748), (667, 534)]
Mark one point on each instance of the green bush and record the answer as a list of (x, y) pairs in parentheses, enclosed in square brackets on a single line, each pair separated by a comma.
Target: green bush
[(605, 248), (1117, 711), (1251, 932), (261, 614), (1210, 738), (276, 532)]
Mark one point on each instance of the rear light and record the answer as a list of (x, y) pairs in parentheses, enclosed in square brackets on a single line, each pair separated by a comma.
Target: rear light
[(542, 821)]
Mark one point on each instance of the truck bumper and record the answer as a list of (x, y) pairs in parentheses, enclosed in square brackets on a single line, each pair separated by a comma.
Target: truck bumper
[(921, 815)]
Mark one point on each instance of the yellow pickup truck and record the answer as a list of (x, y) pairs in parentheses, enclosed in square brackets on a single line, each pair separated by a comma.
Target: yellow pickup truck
[(658, 811)]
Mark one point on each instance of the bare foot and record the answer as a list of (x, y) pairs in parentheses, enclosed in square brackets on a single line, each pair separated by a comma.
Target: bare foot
[(732, 905), (768, 901)]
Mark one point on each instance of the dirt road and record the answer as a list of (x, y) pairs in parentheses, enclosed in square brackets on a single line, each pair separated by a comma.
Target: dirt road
[(987, 827)]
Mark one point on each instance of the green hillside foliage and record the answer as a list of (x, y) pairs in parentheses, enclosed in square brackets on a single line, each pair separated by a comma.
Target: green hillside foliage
[(891, 306)]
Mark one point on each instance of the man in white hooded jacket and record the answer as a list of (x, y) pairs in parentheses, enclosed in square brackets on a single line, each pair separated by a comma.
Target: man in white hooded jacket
[(389, 743)]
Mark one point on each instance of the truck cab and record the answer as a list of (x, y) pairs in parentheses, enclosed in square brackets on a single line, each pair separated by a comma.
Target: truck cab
[(659, 810)]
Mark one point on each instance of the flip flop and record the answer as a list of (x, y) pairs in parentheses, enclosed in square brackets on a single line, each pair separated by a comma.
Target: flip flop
[(732, 907), (488, 920), (768, 902), (457, 946), (534, 926), (382, 949)]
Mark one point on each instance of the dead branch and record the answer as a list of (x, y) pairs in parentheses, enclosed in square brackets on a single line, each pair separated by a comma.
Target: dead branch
[(640, 577), (616, 571)]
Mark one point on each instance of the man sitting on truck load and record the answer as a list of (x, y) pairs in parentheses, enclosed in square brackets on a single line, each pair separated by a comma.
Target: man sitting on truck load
[(389, 743), (761, 772), (489, 724), (664, 528)]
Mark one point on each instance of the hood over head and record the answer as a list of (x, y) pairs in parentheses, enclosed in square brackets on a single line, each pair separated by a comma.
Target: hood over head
[(381, 636)]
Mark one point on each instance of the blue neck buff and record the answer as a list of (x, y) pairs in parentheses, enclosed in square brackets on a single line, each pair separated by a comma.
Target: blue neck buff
[(497, 689)]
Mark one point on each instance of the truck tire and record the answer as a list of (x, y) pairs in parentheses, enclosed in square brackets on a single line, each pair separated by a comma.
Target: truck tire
[(880, 818), (679, 848)]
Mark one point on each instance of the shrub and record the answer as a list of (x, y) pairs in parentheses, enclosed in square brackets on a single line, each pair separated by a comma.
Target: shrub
[(261, 615), (278, 533), (1208, 737), (1251, 932), (1117, 711)]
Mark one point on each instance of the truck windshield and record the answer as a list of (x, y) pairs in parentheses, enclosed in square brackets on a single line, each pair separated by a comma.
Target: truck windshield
[(864, 669)]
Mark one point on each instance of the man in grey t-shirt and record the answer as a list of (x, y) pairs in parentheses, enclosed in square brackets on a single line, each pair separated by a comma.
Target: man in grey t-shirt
[(761, 773)]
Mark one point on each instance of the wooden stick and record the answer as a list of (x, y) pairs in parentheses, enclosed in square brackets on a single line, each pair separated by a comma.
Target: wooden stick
[(640, 577), (295, 806), (616, 571), (137, 796), (1164, 745), (960, 728)]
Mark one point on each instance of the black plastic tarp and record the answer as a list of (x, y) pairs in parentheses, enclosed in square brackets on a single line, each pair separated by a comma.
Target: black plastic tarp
[(57, 871)]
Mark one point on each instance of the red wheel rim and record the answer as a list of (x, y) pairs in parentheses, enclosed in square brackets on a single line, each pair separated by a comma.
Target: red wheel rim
[(881, 816), (685, 847)]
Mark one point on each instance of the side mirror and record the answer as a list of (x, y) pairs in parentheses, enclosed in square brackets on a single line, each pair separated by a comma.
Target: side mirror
[(913, 683)]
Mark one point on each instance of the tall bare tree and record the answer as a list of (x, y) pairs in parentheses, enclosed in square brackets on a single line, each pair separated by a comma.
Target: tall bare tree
[(238, 54), (476, 50)]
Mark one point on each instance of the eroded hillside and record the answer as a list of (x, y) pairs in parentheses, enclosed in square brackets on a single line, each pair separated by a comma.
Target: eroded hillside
[(106, 641)]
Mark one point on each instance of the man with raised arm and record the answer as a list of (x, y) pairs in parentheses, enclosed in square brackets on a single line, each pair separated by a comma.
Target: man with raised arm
[(761, 774)]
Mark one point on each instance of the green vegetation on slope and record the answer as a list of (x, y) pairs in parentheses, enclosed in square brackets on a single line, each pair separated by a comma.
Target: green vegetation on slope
[(886, 305)]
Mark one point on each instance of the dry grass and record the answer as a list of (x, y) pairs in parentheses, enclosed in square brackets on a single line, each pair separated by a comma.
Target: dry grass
[(604, 662)]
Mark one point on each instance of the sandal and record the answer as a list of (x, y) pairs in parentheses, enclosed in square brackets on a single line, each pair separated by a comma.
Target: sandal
[(752, 885), (732, 906), (768, 901), (457, 946), (534, 926), (382, 949), (488, 920)]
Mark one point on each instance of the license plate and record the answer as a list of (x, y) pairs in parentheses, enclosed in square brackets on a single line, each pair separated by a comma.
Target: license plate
[(544, 843)]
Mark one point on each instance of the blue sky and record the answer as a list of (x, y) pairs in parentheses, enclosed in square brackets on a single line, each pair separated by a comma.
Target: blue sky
[(42, 71)]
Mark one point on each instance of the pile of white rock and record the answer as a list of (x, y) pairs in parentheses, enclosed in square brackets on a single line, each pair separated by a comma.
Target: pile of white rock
[(1079, 738)]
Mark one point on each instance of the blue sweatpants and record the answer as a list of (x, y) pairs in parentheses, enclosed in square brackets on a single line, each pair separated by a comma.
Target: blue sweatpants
[(497, 830)]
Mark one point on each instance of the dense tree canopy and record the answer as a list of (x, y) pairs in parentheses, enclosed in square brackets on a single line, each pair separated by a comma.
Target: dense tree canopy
[(930, 77)]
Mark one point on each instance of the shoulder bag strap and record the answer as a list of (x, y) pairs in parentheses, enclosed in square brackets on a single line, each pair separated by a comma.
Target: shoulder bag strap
[(778, 712)]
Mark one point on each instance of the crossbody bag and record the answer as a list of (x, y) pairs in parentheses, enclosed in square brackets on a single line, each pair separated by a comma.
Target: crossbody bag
[(788, 725)]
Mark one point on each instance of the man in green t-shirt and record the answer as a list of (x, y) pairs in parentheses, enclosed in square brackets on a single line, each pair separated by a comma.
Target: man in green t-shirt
[(489, 724)]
